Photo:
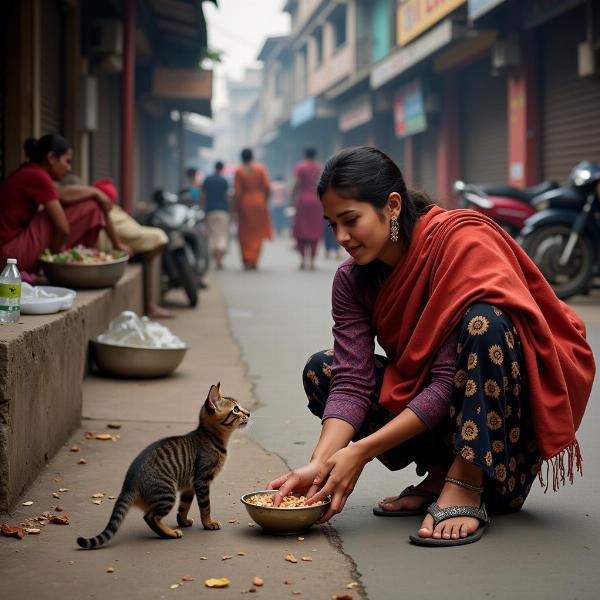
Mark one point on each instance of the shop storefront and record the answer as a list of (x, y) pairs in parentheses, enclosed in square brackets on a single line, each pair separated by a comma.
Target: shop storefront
[(483, 123), (570, 103)]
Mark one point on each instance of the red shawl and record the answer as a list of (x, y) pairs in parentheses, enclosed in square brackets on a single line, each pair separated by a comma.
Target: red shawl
[(460, 257)]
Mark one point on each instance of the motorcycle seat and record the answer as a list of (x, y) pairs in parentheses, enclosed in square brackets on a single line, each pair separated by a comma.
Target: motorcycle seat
[(525, 195)]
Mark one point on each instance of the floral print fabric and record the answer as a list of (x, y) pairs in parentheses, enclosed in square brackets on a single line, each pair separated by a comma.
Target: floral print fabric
[(489, 422)]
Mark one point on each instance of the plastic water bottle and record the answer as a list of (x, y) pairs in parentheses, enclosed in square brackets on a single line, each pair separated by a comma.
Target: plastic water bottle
[(10, 293)]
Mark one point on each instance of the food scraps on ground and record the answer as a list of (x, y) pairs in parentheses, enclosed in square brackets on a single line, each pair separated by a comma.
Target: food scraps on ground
[(61, 490), (110, 570), (307, 558), (352, 585), (266, 501), (291, 558), (257, 581), (74, 449), (28, 503), (59, 508), (341, 597), (12, 531), (240, 553), (288, 581), (217, 583), (114, 425), (104, 436), (226, 557), (59, 519), (188, 578), (82, 461)]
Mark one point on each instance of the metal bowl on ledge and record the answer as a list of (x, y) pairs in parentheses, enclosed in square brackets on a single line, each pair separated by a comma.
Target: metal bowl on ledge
[(136, 362), (85, 276)]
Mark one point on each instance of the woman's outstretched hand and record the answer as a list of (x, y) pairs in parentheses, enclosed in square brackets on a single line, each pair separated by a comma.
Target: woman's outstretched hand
[(299, 480), (337, 478)]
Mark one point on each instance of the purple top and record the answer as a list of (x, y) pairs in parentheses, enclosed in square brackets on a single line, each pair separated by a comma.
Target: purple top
[(353, 374)]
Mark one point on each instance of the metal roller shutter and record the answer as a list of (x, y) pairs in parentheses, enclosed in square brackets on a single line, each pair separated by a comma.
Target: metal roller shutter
[(571, 104), (484, 124), (105, 144), (51, 73)]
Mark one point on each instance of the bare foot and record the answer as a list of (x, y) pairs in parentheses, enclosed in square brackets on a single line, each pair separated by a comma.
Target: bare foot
[(432, 483), (158, 312), (454, 495)]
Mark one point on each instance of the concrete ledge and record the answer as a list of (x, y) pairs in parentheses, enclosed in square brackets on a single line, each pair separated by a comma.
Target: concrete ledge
[(43, 360)]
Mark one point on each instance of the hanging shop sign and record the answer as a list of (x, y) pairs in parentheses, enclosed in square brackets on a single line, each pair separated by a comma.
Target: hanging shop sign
[(303, 111), (416, 16), (409, 110), (478, 8), (405, 58), (192, 84), (356, 113)]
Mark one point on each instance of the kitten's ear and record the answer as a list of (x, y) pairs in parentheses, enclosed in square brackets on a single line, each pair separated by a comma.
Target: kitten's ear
[(219, 386), (212, 400)]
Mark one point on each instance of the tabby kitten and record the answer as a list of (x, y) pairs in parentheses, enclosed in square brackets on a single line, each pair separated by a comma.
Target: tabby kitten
[(187, 463)]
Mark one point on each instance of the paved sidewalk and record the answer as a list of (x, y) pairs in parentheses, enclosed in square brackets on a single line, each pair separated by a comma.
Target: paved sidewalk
[(50, 565)]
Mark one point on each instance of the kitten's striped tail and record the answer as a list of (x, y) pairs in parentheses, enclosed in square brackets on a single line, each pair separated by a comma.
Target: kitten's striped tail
[(122, 506)]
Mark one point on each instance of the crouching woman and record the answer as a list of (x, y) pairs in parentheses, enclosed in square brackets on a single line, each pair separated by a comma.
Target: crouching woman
[(486, 374)]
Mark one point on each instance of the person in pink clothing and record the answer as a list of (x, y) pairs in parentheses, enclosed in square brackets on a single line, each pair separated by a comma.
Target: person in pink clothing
[(34, 215), (308, 222)]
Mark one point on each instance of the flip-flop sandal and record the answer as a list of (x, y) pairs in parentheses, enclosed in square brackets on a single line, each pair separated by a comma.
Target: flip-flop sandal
[(411, 490), (441, 514)]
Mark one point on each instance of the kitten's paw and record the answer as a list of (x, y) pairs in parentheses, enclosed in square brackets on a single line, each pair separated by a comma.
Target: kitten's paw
[(178, 533), (184, 522), (212, 525)]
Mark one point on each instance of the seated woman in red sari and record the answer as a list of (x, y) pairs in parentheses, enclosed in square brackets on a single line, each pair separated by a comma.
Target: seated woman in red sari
[(34, 217), (486, 374)]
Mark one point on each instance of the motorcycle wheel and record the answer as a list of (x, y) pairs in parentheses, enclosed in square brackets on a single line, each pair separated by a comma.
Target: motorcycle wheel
[(186, 277), (545, 247)]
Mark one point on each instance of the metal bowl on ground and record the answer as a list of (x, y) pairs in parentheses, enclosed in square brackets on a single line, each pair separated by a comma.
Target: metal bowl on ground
[(85, 276), (284, 521), (132, 361)]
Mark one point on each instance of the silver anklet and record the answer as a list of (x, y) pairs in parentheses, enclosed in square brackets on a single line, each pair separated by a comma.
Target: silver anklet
[(465, 484)]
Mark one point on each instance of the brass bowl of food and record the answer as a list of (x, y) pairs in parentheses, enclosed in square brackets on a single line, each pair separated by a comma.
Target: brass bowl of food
[(293, 516), (84, 268)]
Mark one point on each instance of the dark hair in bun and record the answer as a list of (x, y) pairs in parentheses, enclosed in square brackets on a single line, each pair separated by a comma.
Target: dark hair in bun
[(37, 150)]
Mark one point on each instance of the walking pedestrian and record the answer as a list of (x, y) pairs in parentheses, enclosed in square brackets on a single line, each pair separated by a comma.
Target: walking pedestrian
[(213, 200), (252, 188), (487, 373), (308, 221)]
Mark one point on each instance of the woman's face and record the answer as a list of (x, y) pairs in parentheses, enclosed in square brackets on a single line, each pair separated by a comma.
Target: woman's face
[(59, 166), (362, 230)]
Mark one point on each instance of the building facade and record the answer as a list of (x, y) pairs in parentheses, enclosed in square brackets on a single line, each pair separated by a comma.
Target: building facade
[(115, 77), (481, 90)]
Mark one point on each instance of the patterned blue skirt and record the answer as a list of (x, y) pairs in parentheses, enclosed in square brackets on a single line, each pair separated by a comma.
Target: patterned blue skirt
[(489, 421)]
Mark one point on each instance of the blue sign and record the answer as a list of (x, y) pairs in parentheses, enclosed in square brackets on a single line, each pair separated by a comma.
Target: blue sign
[(409, 110), (477, 8), (303, 111)]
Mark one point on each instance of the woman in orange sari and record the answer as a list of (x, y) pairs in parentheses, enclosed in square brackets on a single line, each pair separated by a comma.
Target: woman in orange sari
[(252, 187)]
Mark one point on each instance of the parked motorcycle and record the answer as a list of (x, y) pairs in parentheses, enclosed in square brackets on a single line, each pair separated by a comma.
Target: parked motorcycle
[(185, 260), (510, 207), (563, 237)]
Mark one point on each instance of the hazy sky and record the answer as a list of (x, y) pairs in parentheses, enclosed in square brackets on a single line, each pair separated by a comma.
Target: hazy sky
[(239, 29)]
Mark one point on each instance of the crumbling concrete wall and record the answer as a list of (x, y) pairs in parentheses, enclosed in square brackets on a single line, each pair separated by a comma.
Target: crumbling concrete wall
[(43, 360)]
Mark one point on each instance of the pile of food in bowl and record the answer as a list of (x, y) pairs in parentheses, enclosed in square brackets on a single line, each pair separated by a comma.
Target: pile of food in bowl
[(80, 255), (82, 267), (286, 502), (134, 346)]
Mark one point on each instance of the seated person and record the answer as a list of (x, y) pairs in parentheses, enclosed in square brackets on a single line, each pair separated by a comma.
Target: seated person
[(145, 243), (190, 193), (32, 215)]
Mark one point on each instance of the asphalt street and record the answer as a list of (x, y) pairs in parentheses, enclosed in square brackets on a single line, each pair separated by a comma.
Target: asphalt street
[(279, 316)]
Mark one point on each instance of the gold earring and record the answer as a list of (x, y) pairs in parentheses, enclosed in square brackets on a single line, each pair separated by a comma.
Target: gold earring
[(394, 229)]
